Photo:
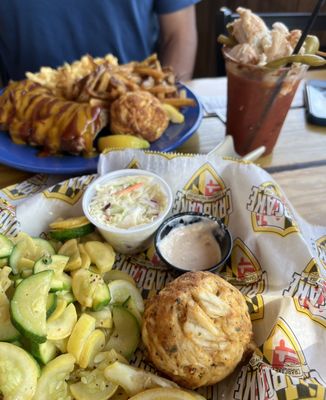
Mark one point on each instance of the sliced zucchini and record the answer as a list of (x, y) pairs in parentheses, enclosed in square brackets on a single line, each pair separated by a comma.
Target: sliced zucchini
[(66, 295), (126, 332), (28, 271), (61, 305), (131, 306), (80, 333), (56, 263), (120, 394), (101, 297), (23, 250), (103, 317), (71, 233), (6, 246), (115, 274), (62, 326), (8, 333), (66, 281), (18, 281), (43, 352), (52, 383), (121, 290), (94, 386), (28, 306), (4, 262), (104, 358), (19, 373), (27, 251), (101, 254), (69, 223), (51, 304), (5, 281), (70, 249), (90, 290), (61, 344), (134, 380)]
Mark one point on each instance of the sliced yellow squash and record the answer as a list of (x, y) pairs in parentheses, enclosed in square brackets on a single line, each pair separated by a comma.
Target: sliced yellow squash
[(101, 254), (93, 386), (70, 249), (93, 345), (79, 335), (85, 258), (135, 380), (19, 373), (62, 327), (52, 383), (163, 394)]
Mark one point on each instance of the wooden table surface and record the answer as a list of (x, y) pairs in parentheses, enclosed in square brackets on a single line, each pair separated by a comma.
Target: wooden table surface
[(298, 162)]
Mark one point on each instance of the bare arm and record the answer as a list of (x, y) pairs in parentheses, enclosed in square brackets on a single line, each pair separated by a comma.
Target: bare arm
[(178, 41)]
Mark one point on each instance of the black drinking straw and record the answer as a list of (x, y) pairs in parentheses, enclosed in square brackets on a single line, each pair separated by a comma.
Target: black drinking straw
[(282, 76), (309, 25)]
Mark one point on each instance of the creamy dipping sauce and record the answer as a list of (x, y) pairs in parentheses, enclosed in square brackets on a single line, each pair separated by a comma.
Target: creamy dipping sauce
[(191, 247)]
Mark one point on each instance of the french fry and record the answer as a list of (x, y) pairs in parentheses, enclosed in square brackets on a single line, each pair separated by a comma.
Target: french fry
[(179, 102), (162, 89), (157, 74)]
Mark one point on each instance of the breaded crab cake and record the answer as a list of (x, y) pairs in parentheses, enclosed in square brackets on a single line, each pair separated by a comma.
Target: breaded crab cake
[(197, 329), (138, 113)]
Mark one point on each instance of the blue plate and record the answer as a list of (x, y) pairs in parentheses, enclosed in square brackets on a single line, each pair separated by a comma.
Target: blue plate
[(26, 157)]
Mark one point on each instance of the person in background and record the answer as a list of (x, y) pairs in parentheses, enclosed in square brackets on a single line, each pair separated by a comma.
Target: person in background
[(36, 33)]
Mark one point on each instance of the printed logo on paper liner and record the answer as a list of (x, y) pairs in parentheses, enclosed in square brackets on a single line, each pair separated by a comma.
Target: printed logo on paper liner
[(278, 370), (245, 274), (8, 221), (26, 188), (134, 164), (149, 276), (205, 192), (321, 250), (69, 191), (309, 293), (244, 268), (269, 212)]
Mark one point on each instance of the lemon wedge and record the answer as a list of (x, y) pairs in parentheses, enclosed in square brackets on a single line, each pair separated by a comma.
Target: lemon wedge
[(122, 142), (174, 114)]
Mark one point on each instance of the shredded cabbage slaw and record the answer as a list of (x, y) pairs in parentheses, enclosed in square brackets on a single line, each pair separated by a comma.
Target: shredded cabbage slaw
[(128, 202)]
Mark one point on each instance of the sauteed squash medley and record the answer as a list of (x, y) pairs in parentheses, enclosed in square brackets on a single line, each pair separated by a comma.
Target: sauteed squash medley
[(69, 323)]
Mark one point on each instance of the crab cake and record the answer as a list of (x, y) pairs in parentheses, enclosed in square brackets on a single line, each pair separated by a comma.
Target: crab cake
[(138, 113), (197, 329)]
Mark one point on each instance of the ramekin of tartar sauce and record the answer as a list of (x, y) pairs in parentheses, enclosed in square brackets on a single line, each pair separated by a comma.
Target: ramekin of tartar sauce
[(127, 206), (192, 241)]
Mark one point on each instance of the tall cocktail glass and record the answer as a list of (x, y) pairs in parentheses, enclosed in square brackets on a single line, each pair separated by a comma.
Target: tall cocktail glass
[(258, 100)]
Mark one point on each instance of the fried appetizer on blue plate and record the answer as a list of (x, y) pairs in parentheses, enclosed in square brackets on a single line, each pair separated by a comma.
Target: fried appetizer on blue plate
[(138, 113), (34, 116)]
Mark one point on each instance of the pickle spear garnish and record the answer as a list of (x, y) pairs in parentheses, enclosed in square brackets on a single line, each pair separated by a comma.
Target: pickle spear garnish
[(226, 40), (311, 44), (308, 59)]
